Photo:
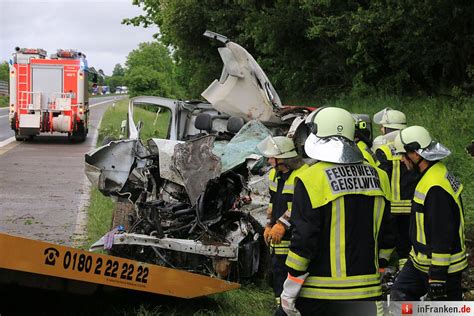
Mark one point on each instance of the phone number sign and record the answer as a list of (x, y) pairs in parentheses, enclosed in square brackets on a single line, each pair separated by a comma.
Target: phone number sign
[(91, 266)]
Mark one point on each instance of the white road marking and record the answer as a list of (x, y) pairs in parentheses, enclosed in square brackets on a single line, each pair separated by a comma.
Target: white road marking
[(110, 100), (7, 141), (79, 237), (8, 145)]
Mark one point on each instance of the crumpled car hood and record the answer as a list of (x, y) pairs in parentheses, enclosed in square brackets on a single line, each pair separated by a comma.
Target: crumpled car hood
[(197, 164), (243, 89)]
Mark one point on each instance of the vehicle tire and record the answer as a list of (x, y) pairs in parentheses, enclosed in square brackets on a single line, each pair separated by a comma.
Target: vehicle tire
[(79, 134), (13, 126), (13, 122), (18, 137)]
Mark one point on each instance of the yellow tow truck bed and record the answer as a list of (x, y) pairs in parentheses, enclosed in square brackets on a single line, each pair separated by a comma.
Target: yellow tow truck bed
[(23, 260)]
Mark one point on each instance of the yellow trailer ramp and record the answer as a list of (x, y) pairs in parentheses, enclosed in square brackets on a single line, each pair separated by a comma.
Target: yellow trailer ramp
[(26, 261)]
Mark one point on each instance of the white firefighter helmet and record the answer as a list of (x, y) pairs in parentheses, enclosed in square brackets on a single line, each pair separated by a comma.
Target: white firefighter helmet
[(391, 118), (386, 139), (419, 140), (277, 147), (378, 141), (332, 137), (397, 143), (310, 118)]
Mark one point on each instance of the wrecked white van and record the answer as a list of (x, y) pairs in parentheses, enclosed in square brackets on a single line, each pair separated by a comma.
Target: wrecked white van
[(200, 195)]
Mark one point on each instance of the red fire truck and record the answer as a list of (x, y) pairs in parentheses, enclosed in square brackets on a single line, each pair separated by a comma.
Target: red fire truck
[(49, 94)]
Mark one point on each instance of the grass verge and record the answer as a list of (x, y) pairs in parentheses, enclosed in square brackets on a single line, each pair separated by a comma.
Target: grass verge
[(3, 101), (249, 300), (99, 216)]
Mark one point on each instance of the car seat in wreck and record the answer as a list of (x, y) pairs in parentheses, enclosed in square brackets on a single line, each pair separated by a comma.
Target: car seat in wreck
[(203, 122), (234, 124)]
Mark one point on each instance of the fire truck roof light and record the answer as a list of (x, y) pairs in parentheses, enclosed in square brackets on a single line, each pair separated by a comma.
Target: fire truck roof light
[(37, 51), (67, 53)]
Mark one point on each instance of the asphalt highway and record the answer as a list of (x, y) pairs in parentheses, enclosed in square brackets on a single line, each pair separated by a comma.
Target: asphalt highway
[(44, 192)]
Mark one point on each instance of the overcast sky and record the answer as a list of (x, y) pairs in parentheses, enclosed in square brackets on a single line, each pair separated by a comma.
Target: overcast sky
[(90, 26)]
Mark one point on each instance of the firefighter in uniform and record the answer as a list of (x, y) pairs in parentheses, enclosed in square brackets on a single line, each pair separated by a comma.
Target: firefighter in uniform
[(390, 121), (438, 253), (402, 180), (341, 225), (287, 164), (363, 137)]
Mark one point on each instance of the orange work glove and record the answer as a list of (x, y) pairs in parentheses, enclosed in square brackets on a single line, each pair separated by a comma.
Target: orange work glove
[(277, 233), (266, 234)]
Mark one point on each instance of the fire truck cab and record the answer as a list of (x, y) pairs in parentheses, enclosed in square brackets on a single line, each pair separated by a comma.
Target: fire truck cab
[(48, 95)]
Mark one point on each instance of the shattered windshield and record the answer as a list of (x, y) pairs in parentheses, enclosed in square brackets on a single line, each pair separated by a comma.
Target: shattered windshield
[(241, 146)]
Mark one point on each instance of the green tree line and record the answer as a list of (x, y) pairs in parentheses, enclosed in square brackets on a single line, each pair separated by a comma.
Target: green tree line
[(4, 70), (149, 70), (310, 47)]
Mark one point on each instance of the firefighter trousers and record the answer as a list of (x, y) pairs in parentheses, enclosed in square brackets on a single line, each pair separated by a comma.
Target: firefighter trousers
[(279, 272), (411, 284), (403, 245), (309, 307)]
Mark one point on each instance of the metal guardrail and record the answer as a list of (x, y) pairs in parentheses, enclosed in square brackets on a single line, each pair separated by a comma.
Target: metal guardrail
[(4, 88)]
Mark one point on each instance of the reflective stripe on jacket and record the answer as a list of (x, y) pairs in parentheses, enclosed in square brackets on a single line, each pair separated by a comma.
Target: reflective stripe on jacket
[(398, 205), (368, 154)]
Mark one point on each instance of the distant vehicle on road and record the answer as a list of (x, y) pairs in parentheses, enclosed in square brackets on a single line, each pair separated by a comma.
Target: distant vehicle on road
[(48, 94), (121, 90)]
